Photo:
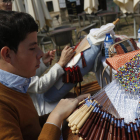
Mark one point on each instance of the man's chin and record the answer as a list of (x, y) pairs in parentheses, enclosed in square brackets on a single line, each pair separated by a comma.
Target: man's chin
[(33, 74), (8, 9)]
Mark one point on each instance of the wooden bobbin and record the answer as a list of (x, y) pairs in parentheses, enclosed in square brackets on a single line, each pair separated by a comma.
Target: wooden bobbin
[(96, 101), (70, 119), (75, 119), (81, 116), (91, 101), (81, 138), (73, 132), (77, 131), (74, 113), (74, 128), (84, 119), (89, 97), (80, 124), (69, 124), (77, 114), (81, 102)]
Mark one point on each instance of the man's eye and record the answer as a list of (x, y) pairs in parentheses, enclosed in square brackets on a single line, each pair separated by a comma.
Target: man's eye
[(31, 48)]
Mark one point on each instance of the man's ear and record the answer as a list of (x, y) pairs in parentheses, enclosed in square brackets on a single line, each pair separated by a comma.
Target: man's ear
[(6, 54)]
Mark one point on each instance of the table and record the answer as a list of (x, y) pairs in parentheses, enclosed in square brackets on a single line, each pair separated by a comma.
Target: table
[(83, 15), (63, 36), (94, 19), (60, 37), (78, 17), (108, 16)]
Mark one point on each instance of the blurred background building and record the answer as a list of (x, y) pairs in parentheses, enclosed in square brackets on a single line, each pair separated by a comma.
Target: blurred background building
[(61, 9)]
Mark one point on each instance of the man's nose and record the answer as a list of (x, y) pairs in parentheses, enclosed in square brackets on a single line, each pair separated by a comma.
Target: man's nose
[(40, 54)]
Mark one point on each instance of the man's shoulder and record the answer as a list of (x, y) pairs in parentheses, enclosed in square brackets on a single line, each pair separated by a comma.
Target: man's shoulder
[(6, 102)]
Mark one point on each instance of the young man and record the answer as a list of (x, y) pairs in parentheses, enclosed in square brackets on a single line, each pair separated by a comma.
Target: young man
[(39, 85), (19, 59), (6, 5)]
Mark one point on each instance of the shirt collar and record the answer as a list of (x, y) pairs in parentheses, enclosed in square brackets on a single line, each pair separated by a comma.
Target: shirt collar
[(15, 82)]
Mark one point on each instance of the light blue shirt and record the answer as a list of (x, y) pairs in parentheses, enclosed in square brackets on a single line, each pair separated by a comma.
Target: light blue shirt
[(14, 82)]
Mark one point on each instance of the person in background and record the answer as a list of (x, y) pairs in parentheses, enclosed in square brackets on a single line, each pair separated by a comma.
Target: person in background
[(40, 85), (19, 58), (6, 5)]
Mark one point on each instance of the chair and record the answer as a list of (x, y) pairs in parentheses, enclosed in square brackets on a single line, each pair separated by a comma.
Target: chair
[(98, 12), (72, 18), (62, 27), (62, 36), (123, 16), (109, 18), (86, 30), (83, 16), (78, 18), (46, 40), (45, 30), (93, 19)]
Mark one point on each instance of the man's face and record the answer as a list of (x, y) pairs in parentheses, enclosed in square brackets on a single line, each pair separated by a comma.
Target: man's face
[(6, 5), (27, 58)]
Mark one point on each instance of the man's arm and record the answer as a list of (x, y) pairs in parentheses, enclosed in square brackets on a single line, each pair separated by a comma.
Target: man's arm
[(42, 84), (45, 62), (56, 117), (50, 132)]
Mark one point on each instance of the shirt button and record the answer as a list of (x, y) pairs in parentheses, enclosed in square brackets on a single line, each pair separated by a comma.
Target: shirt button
[(20, 86)]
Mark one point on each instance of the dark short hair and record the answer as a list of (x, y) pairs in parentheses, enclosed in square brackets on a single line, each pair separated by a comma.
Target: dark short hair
[(14, 27)]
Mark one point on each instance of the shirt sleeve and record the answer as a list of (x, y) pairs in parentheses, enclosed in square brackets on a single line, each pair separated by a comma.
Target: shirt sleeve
[(44, 83), (50, 132), (53, 124)]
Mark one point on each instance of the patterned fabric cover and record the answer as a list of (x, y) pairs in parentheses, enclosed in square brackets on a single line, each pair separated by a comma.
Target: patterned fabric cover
[(119, 60)]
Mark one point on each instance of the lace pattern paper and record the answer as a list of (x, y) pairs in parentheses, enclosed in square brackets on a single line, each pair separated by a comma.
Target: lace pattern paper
[(125, 106)]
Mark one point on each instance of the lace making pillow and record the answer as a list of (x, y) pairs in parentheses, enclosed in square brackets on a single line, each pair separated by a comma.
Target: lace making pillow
[(54, 94)]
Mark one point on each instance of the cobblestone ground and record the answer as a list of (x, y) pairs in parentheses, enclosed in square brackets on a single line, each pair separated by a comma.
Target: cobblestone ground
[(122, 29)]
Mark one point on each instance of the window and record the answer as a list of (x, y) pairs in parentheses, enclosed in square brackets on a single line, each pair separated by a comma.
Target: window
[(50, 6)]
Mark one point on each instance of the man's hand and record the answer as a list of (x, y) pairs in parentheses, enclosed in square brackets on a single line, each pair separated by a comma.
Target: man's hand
[(64, 109), (66, 55), (49, 56)]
